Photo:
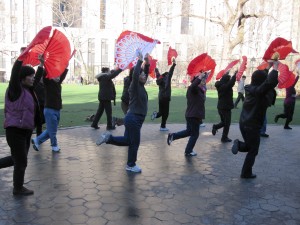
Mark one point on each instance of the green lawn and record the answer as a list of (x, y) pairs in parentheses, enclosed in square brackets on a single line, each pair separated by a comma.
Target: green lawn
[(81, 101)]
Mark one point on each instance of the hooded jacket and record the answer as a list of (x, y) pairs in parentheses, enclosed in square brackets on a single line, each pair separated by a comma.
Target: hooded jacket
[(107, 89), (225, 92), (164, 83), (260, 94)]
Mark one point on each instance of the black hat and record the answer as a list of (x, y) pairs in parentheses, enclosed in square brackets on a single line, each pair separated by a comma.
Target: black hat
[(26, 71), (258, 77)]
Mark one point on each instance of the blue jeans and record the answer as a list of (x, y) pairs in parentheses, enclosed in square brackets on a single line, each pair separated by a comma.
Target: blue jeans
[(52, 117), (192, 130), (133, 123), (264, 126)]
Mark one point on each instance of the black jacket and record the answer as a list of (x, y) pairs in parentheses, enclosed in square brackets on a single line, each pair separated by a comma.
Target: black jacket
[(107, 89), (195, 96), (164, 83), (257, 99), (225, 92)]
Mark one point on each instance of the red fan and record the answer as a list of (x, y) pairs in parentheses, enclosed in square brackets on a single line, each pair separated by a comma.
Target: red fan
[(284, 73), (242, 68), (32, 56), (289, 82), (202, 62), (263, 65), (40, 39), (279, 48), (220, 74), (127, 44), (57, 54), (228, 67), (152, 67), (232, 64), (171, 53)]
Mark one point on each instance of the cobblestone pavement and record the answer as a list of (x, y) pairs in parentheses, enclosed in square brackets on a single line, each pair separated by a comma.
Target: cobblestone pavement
[(88, 184)]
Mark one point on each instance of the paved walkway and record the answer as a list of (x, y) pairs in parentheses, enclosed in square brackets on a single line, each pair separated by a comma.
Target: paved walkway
[(87, 184)]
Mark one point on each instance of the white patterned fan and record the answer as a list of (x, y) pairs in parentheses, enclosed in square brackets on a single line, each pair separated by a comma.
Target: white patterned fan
[(126, 46)]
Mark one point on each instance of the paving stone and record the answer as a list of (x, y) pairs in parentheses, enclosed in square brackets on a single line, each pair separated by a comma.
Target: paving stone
[(88, 184)]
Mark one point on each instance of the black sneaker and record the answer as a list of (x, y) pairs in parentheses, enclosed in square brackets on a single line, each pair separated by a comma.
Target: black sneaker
[(111, 128), (264, 135), (287, 127), (214, 130), (276, 119), (95, 127), (170, 138), (248, 176), (22, 191), (226, 139)]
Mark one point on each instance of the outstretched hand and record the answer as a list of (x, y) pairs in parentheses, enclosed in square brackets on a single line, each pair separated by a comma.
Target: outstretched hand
[(41, 59)]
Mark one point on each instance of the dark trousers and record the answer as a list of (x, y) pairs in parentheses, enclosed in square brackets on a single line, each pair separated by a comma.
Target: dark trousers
[(192, 130), (39, 125), (240, 97), (132, 136), (225, 115), (250, 145), (288, 113), (19, 142), (103, 105), (164, 106)]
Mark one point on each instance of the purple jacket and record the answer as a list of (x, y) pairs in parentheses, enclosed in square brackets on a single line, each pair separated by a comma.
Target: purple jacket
[(20, 113), (290, 93)]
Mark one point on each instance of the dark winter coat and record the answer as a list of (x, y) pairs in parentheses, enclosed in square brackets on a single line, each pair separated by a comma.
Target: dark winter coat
[(225, 92), (107, 89), (164, 83)]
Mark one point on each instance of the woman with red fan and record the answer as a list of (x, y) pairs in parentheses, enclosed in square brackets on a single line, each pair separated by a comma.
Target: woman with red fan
[(260, 94), (135, 117), (164, 95), (194, 114), (225, 105), (289, 105), (20, 102)]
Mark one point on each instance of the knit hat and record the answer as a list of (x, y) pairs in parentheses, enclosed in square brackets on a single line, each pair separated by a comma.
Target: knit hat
[(26, 71), (258, 77)]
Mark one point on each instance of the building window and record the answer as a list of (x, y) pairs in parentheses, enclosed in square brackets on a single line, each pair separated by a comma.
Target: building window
[(166, 46), (104, 53), (67, 13), (185, 10), (91, 54), (102, 14), (178, 49)]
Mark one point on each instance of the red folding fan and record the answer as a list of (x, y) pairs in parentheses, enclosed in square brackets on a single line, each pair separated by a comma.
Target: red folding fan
[(284, 73), (202, 62), (57, 54), (242, 68), (228, 67), (171, 53), (290, 81), (263, 65), (279, 49), (152, 67), (36, 47)]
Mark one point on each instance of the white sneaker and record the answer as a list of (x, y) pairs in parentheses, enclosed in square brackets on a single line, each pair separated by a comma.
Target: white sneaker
[(103, 138), (191, 154), (35, 144), (164, 129), (135, 169), (202, 125), (153, 116), (55, 148)]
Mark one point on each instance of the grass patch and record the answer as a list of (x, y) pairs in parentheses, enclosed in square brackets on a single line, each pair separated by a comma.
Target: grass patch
[(81, 101)]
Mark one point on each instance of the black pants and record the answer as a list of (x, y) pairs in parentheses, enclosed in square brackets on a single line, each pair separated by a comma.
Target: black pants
[(225, 115), (164, 105), (288, 113), (19, 143), (250, 145), (240, 97), (103, 105)]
